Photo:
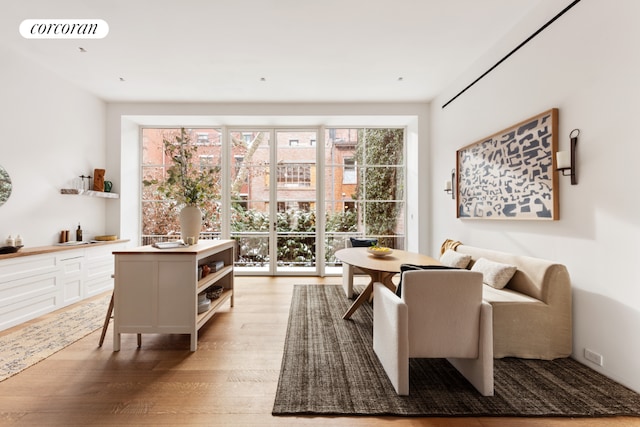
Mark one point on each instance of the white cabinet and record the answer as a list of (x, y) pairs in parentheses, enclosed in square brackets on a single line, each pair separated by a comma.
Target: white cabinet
[(36, 281), (99, 269), (71, 272), (156, 290), (29, 287)]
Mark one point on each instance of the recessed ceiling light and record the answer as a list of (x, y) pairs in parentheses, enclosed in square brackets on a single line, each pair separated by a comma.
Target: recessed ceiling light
[(82, 50)]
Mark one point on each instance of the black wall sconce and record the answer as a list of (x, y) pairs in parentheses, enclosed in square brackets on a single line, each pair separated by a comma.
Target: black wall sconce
[(566, 160), (449, 185)]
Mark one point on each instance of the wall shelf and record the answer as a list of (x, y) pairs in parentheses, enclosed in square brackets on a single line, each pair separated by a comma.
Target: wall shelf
[(90, 193)]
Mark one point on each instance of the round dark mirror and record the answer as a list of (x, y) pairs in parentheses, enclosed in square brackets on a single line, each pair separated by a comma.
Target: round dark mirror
[(5, 185)]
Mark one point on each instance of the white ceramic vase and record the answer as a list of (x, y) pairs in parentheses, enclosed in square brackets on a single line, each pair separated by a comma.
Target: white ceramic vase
[(190, 224)]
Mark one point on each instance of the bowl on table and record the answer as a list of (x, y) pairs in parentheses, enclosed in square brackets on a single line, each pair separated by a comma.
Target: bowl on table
[(379, 251)]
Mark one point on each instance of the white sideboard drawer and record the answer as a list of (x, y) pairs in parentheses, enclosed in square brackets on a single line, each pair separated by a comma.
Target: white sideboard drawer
[(19, 268), (23, 278), (24, 299), (35, 284)]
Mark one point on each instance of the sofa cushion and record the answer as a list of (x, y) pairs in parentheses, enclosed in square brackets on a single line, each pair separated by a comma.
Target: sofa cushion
[(455, 259), (506, 296), (363, 243), (495, 274), (407, 267)]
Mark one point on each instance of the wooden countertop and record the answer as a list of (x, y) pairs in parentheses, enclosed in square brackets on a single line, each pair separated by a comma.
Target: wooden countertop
[(38, 250), (201, 246)]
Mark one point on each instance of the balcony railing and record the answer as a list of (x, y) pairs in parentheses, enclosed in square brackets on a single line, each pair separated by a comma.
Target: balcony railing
[(299, 251)]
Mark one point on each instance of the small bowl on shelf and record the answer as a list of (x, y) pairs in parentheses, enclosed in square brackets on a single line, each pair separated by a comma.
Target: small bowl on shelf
[(379, 251), (214, 292)]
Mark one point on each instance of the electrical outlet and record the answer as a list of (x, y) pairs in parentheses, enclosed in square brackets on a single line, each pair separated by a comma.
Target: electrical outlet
[(594, 357)]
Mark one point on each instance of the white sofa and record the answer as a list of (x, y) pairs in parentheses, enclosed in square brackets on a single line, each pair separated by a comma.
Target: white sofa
[(532, 316)]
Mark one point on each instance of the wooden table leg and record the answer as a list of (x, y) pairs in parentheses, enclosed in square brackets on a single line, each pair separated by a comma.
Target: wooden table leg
[(364, 296), (386, 279), (376, 276)]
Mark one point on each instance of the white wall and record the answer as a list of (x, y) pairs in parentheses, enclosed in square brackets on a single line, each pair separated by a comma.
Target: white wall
[(51, 133), (587, 64)]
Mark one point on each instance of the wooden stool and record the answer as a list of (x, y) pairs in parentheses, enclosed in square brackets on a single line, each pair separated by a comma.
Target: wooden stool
[(106, 324)]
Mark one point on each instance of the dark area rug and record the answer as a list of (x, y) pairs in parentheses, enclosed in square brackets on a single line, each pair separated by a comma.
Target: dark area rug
[(329, 368)]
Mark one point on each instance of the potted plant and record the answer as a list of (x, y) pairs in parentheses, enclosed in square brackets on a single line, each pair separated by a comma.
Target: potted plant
[(188, 183)]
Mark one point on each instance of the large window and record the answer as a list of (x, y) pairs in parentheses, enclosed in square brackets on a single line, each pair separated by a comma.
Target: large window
[(160, 214), (364, 191), (362, 178)]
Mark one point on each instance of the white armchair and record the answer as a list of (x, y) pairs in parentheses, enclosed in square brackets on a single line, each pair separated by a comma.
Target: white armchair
[(440, 314)]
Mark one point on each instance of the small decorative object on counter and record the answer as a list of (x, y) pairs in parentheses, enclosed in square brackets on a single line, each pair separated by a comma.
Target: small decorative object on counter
[(8, 250), (98, 179), (106, 237), (10, 241), (19, 242), (79, 233), (83, 177)]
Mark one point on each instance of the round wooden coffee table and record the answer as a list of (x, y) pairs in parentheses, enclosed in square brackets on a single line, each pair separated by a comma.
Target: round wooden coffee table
[(379, 269)]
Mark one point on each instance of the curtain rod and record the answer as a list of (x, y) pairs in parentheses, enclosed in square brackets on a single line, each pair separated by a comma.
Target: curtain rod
[(513, 51)]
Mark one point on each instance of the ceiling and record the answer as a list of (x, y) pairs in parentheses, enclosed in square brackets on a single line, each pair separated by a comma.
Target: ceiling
[(267, 50)]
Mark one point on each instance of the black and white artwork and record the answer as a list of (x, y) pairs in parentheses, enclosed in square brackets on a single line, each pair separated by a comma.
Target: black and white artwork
[(511, 174)]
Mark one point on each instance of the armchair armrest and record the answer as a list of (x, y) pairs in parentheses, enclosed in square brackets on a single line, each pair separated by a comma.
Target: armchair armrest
[(390, 336)]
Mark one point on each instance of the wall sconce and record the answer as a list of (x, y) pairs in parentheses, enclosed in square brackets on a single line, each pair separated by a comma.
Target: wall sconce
[(448, 186), (566, 161)]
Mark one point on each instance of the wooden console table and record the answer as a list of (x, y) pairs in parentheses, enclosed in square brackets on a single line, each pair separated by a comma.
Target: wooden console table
[(156, 290)]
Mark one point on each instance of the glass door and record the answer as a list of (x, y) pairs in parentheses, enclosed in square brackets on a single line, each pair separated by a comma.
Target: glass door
[(295, 207), (273, 200), (250, 213)]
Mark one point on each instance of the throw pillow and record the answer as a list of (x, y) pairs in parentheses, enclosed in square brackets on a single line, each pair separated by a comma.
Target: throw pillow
[(495, 274), (408, 267), (363, 243), (455, 259)]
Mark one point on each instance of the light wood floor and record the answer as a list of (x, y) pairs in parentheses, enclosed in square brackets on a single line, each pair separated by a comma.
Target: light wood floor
[(230, 381)]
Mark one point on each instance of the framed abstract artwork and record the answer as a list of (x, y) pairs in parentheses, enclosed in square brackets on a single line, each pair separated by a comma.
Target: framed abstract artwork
[(511, 174)]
